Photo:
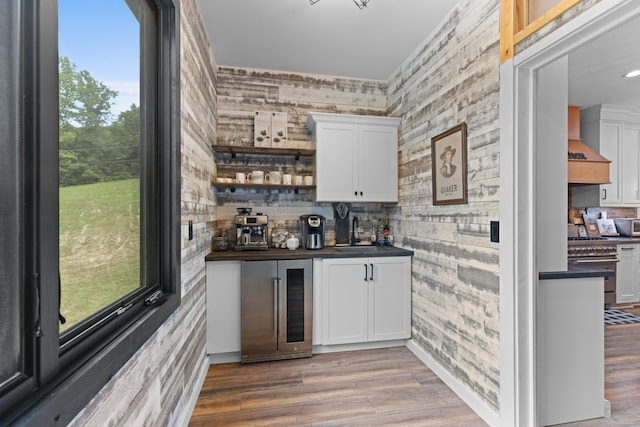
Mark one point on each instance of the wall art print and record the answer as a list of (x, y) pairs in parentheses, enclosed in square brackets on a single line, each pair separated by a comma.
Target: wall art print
[(449, 166)]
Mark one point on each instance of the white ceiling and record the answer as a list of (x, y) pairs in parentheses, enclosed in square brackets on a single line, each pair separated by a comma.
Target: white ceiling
[(596, 69), (332, 37)]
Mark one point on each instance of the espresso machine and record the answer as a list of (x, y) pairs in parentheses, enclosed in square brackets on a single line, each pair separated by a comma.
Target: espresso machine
[(312, 228), (251, 232)]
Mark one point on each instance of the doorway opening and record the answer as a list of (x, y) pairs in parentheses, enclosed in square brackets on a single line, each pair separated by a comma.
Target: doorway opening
[(525, 246)]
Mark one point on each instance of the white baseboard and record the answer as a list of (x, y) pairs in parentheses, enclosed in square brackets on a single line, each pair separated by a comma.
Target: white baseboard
[(234, 356), (484, 411), (231, 357), (319, 349)]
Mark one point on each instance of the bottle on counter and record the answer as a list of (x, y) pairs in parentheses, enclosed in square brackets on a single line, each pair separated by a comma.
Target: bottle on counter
[(381, 235)]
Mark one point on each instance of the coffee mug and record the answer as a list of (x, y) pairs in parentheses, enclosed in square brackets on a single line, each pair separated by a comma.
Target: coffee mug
[(286, 179), (297, 180), (308, 180), (256, 177), (273, 177), (240, 178), (293, 243)]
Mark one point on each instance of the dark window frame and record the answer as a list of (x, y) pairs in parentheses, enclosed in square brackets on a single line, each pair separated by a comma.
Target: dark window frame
[(62, 383)]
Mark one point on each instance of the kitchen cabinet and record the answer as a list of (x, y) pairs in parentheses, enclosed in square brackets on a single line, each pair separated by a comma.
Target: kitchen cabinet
[(356, 157), (613, 131), (569, 350), (365, 299), (223, 307), (628, 274)]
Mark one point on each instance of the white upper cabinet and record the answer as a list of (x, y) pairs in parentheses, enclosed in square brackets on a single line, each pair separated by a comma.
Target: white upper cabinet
[(613, 131), (356, 157)]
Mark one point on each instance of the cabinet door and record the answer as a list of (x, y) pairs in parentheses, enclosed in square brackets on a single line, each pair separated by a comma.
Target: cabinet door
[(628, 274), (259, 329), (336, 162), (378, 163), (295, 303), (390, 298), (223, 307), (630, 168), (611, 148), (344, 301)]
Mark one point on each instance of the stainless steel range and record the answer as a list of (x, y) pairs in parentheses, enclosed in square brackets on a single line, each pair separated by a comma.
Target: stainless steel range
[(596, 252)]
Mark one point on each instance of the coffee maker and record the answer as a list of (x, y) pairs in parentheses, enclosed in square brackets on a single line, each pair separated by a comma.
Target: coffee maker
[(312, 228), (251, 232)]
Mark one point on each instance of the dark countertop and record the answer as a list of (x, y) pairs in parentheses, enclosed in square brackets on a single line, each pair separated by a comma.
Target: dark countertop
[(575, 272), (327, 252), (624, 239)]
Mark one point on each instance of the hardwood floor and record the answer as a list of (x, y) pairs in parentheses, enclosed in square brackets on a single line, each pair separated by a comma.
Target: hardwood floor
[(370, 387), (382, 387)]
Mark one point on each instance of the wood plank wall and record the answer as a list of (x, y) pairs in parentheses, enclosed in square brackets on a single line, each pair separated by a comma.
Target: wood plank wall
[(158, 385), (452, 78), (242, 92)]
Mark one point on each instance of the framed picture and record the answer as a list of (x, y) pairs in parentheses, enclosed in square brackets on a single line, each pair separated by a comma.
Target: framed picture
[(449, 166)]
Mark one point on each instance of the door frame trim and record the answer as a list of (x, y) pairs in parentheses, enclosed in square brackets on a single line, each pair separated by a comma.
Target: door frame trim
[(518, 264)]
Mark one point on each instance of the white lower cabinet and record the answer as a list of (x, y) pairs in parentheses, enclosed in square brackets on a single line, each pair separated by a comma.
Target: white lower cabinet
[(365, 299), (223, 307), (348, 307), (628, 274)]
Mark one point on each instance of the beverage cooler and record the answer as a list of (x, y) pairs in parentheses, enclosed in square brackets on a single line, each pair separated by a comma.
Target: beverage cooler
[(276, 310)]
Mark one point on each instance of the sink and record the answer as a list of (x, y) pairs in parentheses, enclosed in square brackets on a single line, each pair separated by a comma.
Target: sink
[(358, 249)]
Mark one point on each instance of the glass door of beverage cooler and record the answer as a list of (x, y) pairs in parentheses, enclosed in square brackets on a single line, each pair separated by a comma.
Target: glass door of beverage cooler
[(295, 280)]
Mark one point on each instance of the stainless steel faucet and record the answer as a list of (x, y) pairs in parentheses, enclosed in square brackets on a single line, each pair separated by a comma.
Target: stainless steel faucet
[(354, 226)]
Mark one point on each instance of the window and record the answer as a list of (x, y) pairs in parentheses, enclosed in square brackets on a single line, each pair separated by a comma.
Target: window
[(11, 201), (103, 202), (519, 19), (89, 208)]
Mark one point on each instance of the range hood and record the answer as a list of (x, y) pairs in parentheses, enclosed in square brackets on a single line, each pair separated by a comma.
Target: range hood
[(586, 166)]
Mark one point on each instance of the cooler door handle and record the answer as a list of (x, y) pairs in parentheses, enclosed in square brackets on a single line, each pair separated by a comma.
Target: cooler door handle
[(275, 307)]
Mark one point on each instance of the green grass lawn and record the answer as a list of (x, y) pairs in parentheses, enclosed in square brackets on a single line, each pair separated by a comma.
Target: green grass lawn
[(99, 245)]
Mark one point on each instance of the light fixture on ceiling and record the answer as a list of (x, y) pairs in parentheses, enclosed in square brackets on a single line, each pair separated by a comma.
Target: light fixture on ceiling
[(360, 3), (632, 73)]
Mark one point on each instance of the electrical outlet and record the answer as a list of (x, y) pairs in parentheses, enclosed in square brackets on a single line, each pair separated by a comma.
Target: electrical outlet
[(494, 228)]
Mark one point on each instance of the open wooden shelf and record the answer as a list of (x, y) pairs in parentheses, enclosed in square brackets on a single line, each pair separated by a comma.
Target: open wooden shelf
[(233, 186), (264, 151)]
